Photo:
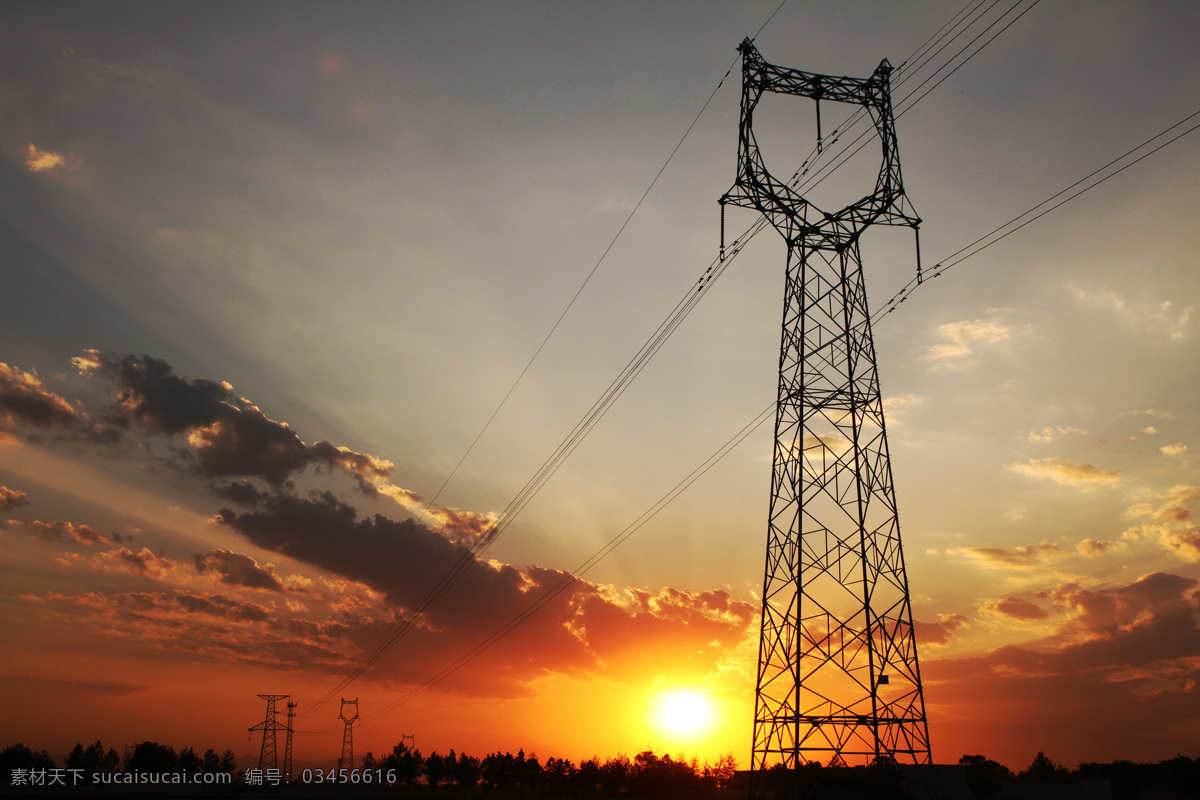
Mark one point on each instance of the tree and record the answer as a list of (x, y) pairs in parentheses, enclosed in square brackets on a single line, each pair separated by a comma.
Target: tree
[(153, 757), (722, 773), (189, 761), (228, 762), (18, 756), (211, 761), (435, 769), (984, 776), (1043, 770), (466, 772), (92, 759), (369, 762), (407, 763)]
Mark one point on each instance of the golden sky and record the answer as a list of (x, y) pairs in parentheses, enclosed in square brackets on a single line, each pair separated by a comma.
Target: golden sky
[(269, 270)]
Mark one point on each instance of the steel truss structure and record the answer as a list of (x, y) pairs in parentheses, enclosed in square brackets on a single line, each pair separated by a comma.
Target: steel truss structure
[(346, 760), (268, 756), (838, 678)]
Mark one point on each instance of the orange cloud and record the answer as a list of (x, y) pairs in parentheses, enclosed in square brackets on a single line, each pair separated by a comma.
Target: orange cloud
[(24, 399), (1128, 657), (1017, 609), (41, 160), (963, 337), (1024, 557), (83, 534), (1066, 473), (1173, 523), (940, 632), (11, 498)]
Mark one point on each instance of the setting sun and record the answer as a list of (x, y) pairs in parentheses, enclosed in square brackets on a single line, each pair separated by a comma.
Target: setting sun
[(684, 713)]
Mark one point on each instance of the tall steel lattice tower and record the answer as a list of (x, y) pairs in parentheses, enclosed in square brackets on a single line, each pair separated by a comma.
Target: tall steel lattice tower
[(287, 750), (268, 756), (346, 761), (838, 679)]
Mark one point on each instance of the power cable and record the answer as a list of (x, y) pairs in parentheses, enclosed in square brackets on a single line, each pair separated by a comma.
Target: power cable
[(598, 410), (957, 257)]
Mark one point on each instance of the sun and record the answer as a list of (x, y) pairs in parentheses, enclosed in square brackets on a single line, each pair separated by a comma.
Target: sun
[(684, 713)]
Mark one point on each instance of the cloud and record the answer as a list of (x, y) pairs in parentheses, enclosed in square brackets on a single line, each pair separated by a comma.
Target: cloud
[(940, 632), (1091, 548), (384, 579), (143, 563), (25, 400), (11, 498), (1048, 434), (228, 435), (238, 569), (963, 337), (83, 534), (581, 628), (1173, 523), (1024, 558), (1017, 609), (1173, 449), (1126, 657), (42, 160), (1067, 473)]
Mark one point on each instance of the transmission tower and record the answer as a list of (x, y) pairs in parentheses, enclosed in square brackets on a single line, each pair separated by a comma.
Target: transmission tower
[(287, 750), (838, 679), (347, 759), (268, 756)]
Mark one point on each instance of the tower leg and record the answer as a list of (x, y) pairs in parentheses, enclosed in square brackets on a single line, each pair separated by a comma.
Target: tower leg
[(838, 678)]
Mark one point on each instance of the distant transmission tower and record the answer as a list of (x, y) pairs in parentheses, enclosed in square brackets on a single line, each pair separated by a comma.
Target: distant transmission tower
[(268, 756), (347, 759), (838, 679), (287, 750)]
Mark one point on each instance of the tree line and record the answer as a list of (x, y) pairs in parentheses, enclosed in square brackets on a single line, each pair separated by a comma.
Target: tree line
[(145, 757), (647, 774), (1128, 780)]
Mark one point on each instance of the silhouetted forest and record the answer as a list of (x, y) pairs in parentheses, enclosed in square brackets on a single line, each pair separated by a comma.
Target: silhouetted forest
[(646, 775)]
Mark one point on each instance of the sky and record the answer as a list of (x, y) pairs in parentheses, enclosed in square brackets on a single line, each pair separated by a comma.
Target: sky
[(269, 270)]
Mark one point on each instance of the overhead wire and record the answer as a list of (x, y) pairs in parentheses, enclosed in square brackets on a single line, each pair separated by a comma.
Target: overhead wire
[(1012, 226), (375, 649), (592, 417), (730, 444)]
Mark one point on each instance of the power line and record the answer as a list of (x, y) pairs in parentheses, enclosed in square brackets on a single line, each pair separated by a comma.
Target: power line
[(987, 240), (599, 409), (384, 643), (568, 580)]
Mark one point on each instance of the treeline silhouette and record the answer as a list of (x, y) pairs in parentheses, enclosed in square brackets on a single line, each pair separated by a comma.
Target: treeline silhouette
[(1128, 781), (646, 775), (146, 757)]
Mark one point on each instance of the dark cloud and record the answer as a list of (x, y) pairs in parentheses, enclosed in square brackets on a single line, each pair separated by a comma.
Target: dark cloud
[(25, 400), (582, 629), (1128, 660), (227, 434), (940, 632), (238, 569), (83, 534), (1019, 609), (11, 498), (143, 563)]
